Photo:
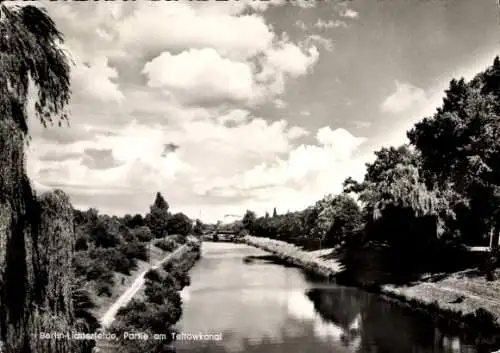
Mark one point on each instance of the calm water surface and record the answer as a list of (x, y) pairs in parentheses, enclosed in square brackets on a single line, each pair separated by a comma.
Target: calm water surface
[(262, 307)]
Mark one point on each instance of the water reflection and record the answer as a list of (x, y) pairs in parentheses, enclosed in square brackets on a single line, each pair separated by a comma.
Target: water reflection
[(383, 326), (265, 308)]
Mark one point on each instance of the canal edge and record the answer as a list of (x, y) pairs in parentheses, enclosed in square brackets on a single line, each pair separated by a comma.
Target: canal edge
[(470, 322)]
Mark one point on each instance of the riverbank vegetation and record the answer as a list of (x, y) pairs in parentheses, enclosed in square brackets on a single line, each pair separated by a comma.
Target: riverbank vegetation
[(420, 207), (463, 302), (419, 204), (112, 251), (160, 306)]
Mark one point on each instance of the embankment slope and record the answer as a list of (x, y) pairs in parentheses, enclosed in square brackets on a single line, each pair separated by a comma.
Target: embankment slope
[(461, 294)]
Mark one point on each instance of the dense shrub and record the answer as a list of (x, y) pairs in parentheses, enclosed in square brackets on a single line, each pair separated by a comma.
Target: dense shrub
[(155, 292), (104, 287), (106, 233), (179, 223), (182, 278), (143, 233), (114, 259), (127, 235), (134, 250), (97, 269), (147, 315), (133, 221), (153, 275), (180, 238), (173, 298), (169, 281), (166, 244), (81, 243)]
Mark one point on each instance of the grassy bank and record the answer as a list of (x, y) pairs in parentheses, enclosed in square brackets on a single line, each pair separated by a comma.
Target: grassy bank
[(464, 300), (310, 261)]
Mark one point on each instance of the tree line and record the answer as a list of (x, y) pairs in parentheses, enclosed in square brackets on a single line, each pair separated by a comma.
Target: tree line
[(440, 188)]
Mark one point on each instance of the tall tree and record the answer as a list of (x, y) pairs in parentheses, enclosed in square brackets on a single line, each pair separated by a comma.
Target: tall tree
[(29, 52), (157, 218), (198, 227), (460, 150), (160, 202), (275, 213), (248, 221)]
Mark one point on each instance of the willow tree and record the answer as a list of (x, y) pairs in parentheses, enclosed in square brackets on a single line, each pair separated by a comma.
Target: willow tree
[(29, 54), (459, 148), (401, 197)]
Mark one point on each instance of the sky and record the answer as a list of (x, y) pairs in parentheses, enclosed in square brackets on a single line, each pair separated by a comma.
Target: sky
[(224, 106)]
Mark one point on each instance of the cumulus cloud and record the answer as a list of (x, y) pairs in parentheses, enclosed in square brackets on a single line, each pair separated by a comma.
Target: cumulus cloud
[(204, 77), (327, 44), (322, 24), (94, 158), (235, 116), (280, 62), (165, 99), (143, 170), (296, 132), (312, 168), (59, 156), (349, 13), (111, 162), (290, 59), (362, 124), (279, 103), (301, 24), (62, 135), (157, 27), (95, 35), (201, 76), (95, 80), (405, 97)]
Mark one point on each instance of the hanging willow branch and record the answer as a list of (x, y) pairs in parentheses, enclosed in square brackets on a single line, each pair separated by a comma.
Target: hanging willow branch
[(29, 50)]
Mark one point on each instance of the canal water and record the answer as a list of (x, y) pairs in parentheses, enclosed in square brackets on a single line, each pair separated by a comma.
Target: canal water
[(233, 305)]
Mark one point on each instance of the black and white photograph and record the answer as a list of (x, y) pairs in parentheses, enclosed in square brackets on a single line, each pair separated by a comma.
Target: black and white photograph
[(250, 176)]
